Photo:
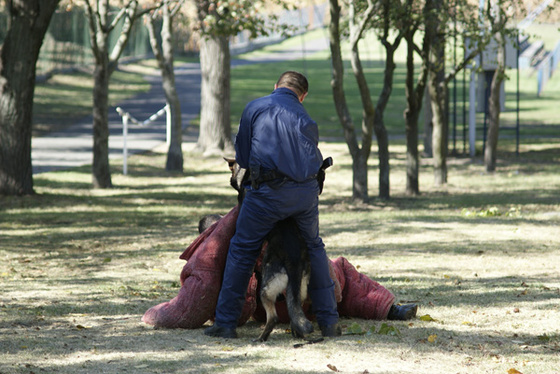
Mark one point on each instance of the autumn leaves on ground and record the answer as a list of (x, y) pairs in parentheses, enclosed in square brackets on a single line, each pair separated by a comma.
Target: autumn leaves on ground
[(480, 257)]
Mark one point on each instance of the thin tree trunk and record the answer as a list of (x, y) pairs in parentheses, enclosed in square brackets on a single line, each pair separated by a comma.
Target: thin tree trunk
[(490, 152), (438, 93), (411, 115), (428, 124), (215, 125), (359, 162), (27, 24), (101, 173), (101, 27), (164, 57), (383, 99), (174, 160), (379, 125)]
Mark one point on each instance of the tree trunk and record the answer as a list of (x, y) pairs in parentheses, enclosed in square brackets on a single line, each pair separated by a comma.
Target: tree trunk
[(101, 27), (383, 99), (215, 126), (164, 57), (428, 125), (411, 115), (27, 25), (379, 125), (359, 162), (360, 159), (438, 94), (490, 152), (174, 160), (101, 172)]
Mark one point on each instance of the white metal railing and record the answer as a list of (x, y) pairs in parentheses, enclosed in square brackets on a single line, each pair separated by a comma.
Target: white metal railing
[(127, 117)]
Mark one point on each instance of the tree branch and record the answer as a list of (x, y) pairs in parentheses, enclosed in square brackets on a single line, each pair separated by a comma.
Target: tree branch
[(92, 17), (120, 15), (176, 9), (359, 29), (124, 35)]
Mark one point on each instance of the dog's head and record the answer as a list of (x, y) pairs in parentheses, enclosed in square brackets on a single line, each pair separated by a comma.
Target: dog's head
[(239, 176)]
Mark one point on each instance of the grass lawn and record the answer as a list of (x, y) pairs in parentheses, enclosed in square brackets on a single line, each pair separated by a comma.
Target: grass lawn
[(65, 97), (537, 115), (480, 257)]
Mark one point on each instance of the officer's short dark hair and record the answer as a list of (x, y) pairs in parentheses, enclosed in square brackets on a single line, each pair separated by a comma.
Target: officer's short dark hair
[(295, 81)]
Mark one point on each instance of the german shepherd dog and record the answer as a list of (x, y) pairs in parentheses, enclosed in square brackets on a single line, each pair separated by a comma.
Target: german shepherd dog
[(285, 265)]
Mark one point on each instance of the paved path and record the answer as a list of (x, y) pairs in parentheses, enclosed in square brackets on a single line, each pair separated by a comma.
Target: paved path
[(73, 146)]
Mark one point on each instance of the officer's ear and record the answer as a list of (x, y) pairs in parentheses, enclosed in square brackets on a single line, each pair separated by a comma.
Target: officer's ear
[(275, 85), (302, 97)]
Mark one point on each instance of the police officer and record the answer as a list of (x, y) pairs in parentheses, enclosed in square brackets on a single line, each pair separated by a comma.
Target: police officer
[(277, 142)]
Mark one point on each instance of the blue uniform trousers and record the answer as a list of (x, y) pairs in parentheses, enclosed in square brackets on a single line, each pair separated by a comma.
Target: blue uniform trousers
[(260, 211)]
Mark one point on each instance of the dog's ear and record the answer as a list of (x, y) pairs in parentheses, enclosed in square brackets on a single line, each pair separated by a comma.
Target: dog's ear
[(231, 163)]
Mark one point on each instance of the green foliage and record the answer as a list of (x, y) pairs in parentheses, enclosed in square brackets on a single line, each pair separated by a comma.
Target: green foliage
[(229, 17), (385, 329)]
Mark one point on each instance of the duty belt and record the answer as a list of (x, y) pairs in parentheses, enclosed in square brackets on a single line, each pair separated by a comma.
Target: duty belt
[(259, 176)]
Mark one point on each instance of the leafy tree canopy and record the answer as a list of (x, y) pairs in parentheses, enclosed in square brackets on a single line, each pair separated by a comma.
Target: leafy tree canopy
[(229, 17)]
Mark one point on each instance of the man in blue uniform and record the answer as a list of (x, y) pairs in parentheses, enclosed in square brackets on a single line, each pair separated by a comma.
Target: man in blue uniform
[(277, 142)]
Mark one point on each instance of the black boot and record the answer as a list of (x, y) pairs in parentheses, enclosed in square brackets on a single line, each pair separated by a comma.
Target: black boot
[(220, 332), (331, 330), (402, 312)]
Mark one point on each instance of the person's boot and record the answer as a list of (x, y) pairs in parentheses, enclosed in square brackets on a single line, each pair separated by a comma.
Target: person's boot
[(331, 330), (402, 312), (220, 332)]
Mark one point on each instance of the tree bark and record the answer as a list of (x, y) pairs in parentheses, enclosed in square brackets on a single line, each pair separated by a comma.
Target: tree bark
[(164, 57), (494, 109), (215, 124), (101, 173), (414, 96), (105, 63), (359, 158), (27, 25), (383, 99), (378, 121), (428, 124), (411, 114), (438, 92)]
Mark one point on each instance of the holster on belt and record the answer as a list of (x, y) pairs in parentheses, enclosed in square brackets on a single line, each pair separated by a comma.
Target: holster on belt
[(327, 163)]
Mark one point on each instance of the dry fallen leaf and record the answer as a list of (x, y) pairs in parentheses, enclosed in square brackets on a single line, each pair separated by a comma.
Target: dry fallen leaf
[(514, 371), (332, 367), (426, 318), (432, 338)]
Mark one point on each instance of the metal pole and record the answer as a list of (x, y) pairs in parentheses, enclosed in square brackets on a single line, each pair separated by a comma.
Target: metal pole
[(472, 114), (464, 111), (168, 124), (455, 82), (125, 133), (517, 99)]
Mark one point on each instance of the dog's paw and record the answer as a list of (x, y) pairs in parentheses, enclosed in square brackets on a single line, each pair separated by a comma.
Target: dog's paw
[(301, 328)]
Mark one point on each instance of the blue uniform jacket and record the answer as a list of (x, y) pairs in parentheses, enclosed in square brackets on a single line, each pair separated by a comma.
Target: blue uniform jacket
[(276, 133)]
